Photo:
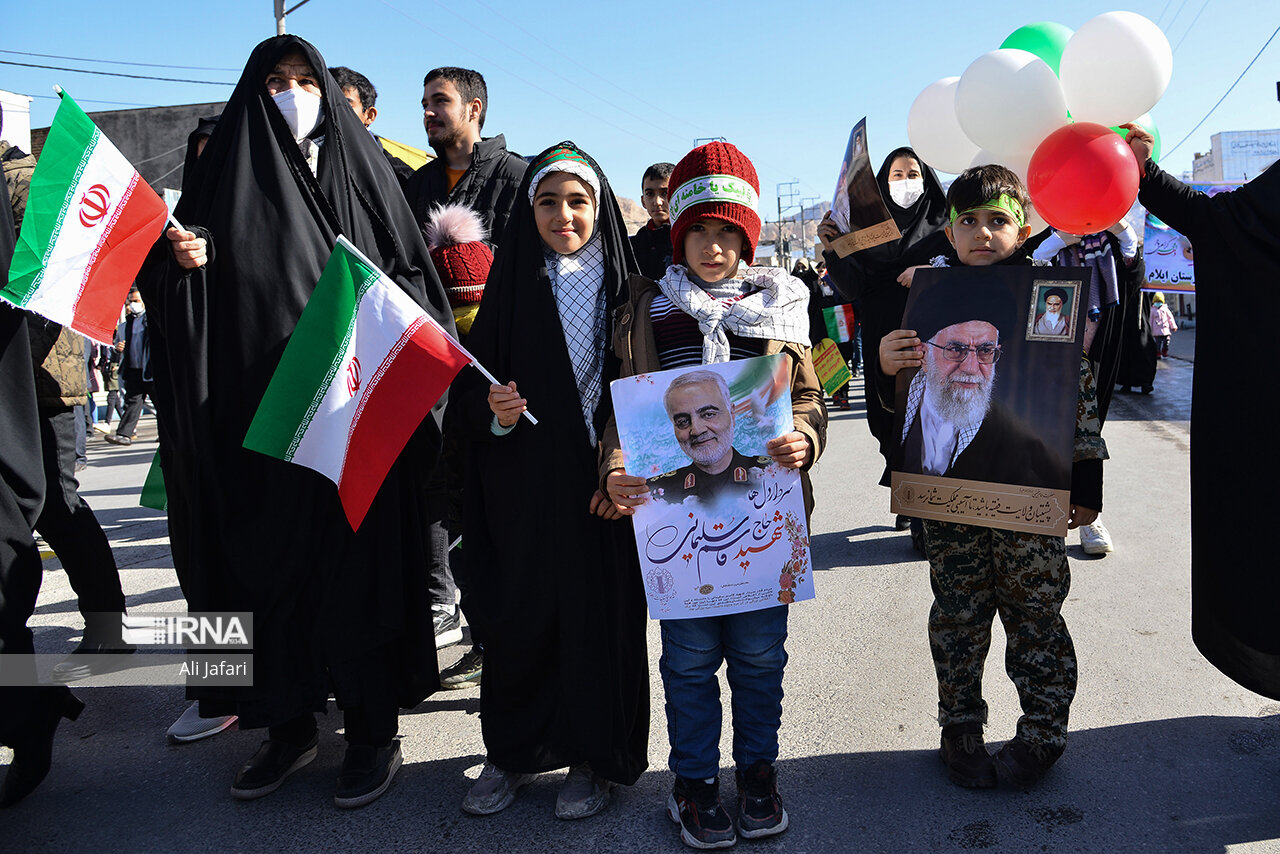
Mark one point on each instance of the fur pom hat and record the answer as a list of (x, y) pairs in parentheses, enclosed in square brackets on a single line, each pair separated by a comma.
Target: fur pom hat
[(455, 236), (714, 180)]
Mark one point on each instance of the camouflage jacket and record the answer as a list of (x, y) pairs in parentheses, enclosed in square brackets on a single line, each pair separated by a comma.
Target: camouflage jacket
[(18, 166)]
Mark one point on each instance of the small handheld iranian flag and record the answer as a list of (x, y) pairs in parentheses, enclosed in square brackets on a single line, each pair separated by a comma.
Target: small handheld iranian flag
[(89, 223), (363, 367), (839, 321)]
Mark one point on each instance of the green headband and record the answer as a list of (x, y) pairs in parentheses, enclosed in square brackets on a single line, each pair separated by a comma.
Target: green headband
[(559, 154), (1003, 202)]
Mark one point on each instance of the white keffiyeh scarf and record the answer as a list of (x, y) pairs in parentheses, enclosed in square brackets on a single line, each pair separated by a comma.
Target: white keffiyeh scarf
[(768, 302), (577, 283)]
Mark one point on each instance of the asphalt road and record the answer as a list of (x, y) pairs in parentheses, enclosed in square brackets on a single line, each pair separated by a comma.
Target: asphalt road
[(1165, 755)]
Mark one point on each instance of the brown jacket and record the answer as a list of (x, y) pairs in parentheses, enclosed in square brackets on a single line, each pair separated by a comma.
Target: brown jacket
[(634, 344), (58, 354)]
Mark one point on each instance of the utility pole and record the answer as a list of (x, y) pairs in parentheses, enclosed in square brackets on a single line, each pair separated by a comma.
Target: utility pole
[(783, 246), (281, 12), (804, 237)]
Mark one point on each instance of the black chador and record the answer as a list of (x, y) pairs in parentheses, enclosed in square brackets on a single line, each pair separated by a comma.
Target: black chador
[(333, 610), (558, 598)]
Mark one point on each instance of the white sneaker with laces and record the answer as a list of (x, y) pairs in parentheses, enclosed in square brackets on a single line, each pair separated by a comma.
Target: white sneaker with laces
[(1095, 539)]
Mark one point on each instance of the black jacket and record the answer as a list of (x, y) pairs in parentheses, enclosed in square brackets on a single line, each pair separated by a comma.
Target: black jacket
[(653, 250), (488, 187)]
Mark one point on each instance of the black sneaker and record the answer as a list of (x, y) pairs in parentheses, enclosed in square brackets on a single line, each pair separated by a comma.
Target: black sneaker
[(466, 672), (366, 773), (447, 624), (704, 823), (965, 755), (270, 766), (1023, 763), (760, 811)]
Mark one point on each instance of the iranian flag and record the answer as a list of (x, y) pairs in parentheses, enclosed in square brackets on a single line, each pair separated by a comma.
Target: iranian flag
[(363, 367), (839, 321), (90, 221)]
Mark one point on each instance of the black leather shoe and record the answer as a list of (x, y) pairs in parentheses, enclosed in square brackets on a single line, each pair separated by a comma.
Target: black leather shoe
[(270, 766), (91, 657), (965, 755), (33, 745), (366, 773)]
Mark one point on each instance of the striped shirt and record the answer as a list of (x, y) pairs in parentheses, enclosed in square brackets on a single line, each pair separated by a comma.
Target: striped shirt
[(679, 341)]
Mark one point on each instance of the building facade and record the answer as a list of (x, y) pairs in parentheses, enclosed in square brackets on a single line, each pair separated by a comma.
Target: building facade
[(1236, 156)]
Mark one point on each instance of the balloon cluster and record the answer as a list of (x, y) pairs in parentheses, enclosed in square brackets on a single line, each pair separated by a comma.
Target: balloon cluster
[(1047, 105)]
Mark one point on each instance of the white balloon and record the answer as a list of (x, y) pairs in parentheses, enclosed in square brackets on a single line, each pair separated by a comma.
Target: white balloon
[(933, 130), (1016, 163), (1009, 100), (1115, 68)]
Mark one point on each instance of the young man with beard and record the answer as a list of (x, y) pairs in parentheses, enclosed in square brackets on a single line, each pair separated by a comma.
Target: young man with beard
[(481, 174), (977, 572)]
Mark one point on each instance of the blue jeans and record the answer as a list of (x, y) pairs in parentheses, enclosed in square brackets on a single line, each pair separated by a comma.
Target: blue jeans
[(752, 645)]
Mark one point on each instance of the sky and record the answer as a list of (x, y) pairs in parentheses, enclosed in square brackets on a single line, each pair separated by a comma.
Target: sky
[(636, 83)]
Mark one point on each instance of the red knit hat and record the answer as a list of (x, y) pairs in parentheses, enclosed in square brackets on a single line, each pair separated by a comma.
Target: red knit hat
[(455, 237), (714, 180)]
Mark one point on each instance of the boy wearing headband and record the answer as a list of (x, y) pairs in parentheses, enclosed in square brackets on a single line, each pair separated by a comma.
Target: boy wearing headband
[(708, 308), (977, 572)]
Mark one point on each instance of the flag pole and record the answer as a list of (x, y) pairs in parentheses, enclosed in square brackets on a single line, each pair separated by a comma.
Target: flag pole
[(349, 246)]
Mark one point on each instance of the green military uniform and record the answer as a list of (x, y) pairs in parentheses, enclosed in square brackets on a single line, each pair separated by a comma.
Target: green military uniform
[(977, 572), (742, 473)]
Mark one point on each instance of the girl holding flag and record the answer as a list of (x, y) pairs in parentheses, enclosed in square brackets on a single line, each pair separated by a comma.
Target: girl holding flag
[(558, 595)]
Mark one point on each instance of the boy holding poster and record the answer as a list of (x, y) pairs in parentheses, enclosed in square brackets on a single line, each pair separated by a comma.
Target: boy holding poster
[(977, 572), (706, 310)]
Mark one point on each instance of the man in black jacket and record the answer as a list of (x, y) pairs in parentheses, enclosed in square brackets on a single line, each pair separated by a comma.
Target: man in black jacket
[(469, 169), (481, 174)]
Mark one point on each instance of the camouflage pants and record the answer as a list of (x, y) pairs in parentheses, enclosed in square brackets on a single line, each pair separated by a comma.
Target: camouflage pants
[(976, 573)]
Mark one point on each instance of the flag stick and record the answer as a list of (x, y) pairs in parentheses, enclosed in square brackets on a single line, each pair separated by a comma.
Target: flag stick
[(474, 362)]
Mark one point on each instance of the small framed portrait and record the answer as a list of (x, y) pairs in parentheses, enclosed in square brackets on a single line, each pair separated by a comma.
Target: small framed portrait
[(1052, 315)]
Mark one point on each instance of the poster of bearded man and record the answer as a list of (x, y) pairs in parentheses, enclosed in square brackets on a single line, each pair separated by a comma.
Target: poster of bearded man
[(723, 529), (987, 423)]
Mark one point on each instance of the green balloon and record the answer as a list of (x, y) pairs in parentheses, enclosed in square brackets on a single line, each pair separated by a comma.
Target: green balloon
[(1045, 39), (1144, 121)]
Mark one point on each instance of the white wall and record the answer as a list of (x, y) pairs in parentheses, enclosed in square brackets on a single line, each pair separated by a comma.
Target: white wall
[(17, 119)]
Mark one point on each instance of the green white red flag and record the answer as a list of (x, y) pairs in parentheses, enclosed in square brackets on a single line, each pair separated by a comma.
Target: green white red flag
[(363, 367), (89, 223)]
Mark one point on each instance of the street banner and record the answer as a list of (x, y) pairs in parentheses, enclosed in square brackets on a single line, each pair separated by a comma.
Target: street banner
[(1169, 255), (986, 427), (89, 223), (829, 362), (363, 367), (723, 530), (839, 321), (858, 209)]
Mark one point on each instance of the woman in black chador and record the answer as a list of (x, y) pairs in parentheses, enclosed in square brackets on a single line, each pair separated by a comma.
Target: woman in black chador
[(558, 596), (287, 169)]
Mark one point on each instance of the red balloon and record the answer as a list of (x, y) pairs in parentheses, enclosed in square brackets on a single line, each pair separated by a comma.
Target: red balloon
[(1083, 178)]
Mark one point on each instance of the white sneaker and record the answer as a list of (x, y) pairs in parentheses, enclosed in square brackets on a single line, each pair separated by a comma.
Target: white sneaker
[(192, 727), (1095, 539), (583, 794), (495, 790)]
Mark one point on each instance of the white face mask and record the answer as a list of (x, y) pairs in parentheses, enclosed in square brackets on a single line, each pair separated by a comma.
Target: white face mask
[(301, 109), (905, 192), (136, 308)]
